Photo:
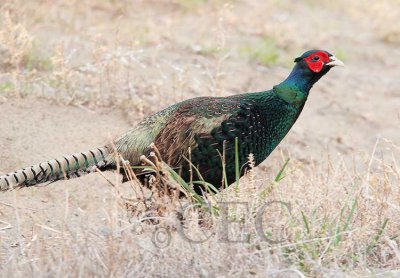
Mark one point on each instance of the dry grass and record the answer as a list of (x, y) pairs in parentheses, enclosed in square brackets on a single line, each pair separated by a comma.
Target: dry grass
[(333, 214), (317, 220)]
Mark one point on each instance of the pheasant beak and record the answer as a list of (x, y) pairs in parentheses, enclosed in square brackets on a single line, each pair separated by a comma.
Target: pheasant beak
[(335, 62)]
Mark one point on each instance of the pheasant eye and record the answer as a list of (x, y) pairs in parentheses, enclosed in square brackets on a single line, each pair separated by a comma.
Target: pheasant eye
[(315, 58)]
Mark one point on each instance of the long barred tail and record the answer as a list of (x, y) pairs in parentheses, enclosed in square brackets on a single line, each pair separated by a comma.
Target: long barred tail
[(66, 167)]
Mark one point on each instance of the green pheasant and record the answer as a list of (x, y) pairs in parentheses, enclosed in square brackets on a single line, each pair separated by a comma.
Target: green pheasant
[(200, 130)]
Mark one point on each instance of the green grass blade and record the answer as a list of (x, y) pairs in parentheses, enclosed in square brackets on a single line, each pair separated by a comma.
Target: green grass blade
[(378, 235), (237, 166), (305, 221), (351, 214), (281, 174)]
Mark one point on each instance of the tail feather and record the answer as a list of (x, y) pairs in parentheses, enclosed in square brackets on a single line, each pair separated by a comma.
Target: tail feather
[(65, 167)]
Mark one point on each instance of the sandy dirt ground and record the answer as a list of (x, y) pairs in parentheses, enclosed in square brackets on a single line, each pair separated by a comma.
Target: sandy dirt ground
[(347, 111), (77, 129)]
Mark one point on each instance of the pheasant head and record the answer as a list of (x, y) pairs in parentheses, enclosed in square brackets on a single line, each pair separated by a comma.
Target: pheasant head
[(310, 67)]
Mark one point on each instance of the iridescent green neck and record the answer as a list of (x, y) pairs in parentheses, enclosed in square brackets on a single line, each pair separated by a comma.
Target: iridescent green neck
[(291, 94), (296, 87)]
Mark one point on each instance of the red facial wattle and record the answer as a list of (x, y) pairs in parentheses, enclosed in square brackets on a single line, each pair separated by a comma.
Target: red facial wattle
[(316, 61)]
